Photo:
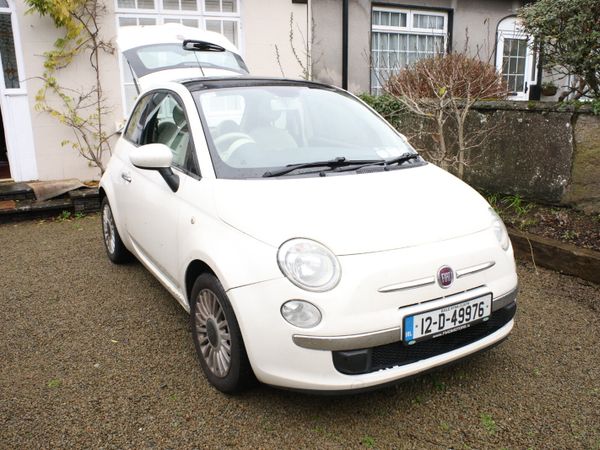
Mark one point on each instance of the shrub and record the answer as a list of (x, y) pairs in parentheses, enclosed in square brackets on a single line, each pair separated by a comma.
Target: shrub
[(569, 34), (442, 90), (452, 75)]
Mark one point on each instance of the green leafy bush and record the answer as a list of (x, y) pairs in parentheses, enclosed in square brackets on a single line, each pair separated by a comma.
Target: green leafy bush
[(569, 33)]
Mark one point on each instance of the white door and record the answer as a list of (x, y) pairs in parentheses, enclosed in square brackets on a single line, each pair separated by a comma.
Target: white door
[(14, 103), (515, 59), (150, 206)]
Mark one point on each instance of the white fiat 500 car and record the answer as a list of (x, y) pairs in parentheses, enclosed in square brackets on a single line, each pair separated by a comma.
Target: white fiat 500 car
[(312, 246)]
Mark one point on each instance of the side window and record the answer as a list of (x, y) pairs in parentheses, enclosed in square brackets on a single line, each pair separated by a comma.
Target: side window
[(135, 126), (165, 123)]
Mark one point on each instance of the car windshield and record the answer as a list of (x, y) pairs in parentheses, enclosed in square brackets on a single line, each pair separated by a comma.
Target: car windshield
[(155, 57), (255, 130)]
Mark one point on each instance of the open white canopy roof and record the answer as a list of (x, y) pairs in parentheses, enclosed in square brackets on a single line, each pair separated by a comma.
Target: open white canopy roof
[(169, 33)]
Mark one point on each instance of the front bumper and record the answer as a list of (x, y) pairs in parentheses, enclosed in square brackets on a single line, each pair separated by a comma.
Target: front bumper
[(375, 338), (358, 314), (396, 354)]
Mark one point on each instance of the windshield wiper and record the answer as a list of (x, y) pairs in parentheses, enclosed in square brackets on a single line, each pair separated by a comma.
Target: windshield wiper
[(340, 161), (385, 162)]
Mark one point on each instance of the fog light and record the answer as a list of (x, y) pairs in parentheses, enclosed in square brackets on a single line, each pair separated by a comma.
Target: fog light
[(301, 314)]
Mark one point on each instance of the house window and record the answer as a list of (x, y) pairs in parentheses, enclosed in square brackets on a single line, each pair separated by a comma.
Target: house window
[(515, 58), (401, 37), (7, 51), (221, 16), (229, 6)]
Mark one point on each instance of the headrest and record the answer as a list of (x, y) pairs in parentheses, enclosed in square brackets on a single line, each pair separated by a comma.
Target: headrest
[(178, 116)]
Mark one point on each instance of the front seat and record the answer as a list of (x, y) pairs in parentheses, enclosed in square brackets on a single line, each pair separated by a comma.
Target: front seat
[(267, 136)]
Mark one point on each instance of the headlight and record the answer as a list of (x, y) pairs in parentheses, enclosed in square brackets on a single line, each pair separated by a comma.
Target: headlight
[(500, 230), (309, 265), (301, 314)]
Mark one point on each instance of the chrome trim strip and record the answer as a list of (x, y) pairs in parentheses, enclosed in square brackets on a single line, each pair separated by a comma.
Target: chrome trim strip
[(349, 342), (407, 285), (474, 269), (431, 280), (505, 300)]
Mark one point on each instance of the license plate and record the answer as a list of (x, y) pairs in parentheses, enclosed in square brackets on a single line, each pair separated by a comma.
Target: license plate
[(448, 319)]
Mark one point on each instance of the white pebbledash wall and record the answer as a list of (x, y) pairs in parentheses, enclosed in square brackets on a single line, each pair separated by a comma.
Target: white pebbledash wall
[(264, 24)]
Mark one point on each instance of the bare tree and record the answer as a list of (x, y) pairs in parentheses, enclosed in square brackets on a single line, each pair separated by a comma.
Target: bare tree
[(442, 90)]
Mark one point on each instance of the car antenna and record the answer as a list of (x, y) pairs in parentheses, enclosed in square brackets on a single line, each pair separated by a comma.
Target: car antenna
[(201, 46), (199, 65)]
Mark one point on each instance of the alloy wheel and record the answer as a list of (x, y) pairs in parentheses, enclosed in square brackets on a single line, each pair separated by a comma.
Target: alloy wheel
[(108, 228), (213, 333)]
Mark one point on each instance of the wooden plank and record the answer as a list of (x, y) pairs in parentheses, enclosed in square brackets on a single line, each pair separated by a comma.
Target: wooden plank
[(556, 255)]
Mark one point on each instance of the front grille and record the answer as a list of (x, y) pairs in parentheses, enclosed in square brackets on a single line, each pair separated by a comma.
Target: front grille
[(399, 354)]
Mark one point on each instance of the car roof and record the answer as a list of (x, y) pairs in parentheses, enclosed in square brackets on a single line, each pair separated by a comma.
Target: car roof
[(198, 84)]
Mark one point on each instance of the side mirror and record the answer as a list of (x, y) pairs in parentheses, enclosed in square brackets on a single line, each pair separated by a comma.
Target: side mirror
[(156, 157), (151, 156)]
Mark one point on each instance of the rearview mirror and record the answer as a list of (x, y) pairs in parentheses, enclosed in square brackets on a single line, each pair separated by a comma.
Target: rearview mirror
[(156, 157), (151, 156)]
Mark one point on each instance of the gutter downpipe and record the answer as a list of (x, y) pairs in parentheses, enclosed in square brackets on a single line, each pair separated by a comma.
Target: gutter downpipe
[(345, 44)]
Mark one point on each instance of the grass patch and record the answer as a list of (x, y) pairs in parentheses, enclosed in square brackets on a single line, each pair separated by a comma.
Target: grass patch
[(488, 423), (54, 383), (368, 441)]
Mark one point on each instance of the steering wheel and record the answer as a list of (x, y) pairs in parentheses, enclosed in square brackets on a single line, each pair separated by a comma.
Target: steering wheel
[(229, 142)]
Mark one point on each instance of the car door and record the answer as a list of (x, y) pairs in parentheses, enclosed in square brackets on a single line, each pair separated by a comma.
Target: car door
[(151, 207)]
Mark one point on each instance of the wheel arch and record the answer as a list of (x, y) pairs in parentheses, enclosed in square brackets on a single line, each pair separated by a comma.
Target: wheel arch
[(193, 271)]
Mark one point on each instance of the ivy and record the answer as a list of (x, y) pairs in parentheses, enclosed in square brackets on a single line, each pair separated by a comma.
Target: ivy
[(84, 109)]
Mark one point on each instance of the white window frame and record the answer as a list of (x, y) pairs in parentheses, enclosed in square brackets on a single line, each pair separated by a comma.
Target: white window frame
[(16, 115), (510, 28), (409, 21), (409, 28), (22, 89)]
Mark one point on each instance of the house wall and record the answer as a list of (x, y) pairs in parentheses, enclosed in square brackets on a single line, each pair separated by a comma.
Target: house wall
[(266, 30), (263, 25), (37, 36), (479, 17)]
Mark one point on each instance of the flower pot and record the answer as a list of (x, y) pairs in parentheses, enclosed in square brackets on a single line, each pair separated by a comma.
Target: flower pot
[(549, 91)]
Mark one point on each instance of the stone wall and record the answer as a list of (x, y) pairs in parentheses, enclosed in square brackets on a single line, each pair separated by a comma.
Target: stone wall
[(583, 190), (529, 152), (544, 152)]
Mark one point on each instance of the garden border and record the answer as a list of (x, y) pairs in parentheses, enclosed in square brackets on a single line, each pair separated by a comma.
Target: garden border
[(559, 256)]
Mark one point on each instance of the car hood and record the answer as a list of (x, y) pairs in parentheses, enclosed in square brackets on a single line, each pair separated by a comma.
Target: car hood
[(355, 213)]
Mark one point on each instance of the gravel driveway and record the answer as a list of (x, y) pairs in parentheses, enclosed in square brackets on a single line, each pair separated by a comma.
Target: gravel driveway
[(99, 356)]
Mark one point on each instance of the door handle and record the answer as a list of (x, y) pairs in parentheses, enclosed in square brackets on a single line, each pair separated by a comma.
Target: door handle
[(126, 176)]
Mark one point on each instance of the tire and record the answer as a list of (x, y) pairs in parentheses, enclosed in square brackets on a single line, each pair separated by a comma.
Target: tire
[(115, 249), (217, 337)]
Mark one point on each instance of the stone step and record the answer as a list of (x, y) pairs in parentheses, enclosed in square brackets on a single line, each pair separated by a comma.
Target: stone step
[(13, 210), (85, 200), (17, 202), (15, 191)]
